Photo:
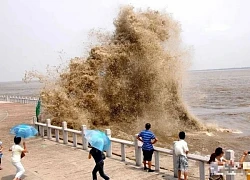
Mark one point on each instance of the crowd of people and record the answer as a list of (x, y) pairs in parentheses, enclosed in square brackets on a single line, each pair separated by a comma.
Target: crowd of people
[(216, 161), (147, 137)]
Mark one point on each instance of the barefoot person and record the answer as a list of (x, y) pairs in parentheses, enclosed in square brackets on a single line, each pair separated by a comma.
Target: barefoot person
[(17, 151), (181, 151), (1, 154), (99, 160), (148, 139)]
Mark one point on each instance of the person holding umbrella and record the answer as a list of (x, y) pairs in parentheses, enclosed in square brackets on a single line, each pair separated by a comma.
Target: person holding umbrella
[(99, 142), (17, 151), (99, 160), (20, 131)]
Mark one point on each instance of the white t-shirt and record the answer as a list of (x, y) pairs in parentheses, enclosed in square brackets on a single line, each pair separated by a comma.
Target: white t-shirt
[(221, 159), (16, 153), (180, 147)]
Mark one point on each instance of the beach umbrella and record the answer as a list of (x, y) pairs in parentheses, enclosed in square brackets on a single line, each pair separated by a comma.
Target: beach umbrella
[(24, 131), (97, 139)]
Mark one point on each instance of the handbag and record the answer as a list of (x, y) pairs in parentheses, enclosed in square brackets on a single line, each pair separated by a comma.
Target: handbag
[(22, 155), (103, 156)]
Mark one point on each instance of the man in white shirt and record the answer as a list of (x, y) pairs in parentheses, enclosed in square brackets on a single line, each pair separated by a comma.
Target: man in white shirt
[(181, 151)]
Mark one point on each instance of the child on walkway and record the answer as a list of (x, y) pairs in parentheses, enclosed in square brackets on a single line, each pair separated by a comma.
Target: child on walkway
[(148, 138), (181, 151), (1, 154), (98, 157), (17, 151)]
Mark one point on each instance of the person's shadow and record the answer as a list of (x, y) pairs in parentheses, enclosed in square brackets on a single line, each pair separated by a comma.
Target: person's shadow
[(11, 177)]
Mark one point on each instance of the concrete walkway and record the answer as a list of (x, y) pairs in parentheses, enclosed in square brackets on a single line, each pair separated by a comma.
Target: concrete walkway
[(48, 160)]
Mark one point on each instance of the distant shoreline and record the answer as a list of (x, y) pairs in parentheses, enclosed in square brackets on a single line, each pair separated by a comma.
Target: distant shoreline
[(221, 69), (198, 70)]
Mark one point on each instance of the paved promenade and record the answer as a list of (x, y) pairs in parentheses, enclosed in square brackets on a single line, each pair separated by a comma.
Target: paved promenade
[(48, 160)]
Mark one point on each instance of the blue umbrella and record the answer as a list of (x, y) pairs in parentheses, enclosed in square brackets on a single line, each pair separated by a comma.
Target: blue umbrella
[(97, 139), (23, 131)]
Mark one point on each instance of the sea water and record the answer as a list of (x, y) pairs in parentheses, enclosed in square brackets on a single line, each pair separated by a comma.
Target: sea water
[(220, 97)]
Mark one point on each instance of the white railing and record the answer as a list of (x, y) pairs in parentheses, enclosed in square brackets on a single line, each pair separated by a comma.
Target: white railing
[(138, 149), (19, 99)]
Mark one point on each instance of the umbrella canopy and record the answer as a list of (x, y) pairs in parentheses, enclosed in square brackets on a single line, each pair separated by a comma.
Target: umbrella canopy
[(23, 131), (97, 139)]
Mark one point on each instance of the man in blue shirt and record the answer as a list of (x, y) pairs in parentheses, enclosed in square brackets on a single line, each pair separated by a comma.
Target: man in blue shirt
[(148, 138)]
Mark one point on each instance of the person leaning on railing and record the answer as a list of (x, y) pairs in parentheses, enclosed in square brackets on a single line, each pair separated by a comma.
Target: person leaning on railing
[(217, 162), (148, 138), (242, 159)]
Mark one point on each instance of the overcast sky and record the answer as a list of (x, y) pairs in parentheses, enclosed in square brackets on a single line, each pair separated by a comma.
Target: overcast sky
[(33, 32)]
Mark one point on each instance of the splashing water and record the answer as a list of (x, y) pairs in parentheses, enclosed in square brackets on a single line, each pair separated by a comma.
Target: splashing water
[(133, 77)]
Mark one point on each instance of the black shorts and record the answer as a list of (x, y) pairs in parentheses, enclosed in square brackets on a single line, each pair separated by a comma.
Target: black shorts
[(147, 155)]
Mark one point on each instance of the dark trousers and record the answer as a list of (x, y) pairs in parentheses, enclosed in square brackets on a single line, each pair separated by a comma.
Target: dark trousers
[(99, 167)]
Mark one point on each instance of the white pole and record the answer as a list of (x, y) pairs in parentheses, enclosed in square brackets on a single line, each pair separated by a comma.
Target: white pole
[(49, 129), (175, 163), (65, 132), (157, 161), (138, 153), (230, 174), (123, 152), (57, 135), (202, 170), (109, 151), (84, 140), (74, 139)]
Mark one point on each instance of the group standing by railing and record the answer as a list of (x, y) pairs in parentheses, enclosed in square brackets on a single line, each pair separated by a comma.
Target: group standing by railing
[(179, 152), (138, 147)]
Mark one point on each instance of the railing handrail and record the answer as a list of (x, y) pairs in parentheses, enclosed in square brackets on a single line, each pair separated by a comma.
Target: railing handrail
[(122, 141), (18, 96), (19, 99), (138, 153), (129, 143)]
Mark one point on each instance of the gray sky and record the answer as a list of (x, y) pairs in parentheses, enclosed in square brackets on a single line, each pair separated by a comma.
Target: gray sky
[(33, 32)]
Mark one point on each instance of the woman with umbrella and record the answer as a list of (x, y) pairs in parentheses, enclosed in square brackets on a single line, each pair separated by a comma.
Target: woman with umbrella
[(17, 151), (99, 142), (98, 157)]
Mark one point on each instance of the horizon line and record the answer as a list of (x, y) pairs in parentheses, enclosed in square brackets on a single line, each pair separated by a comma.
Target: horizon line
[(191, 70)]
